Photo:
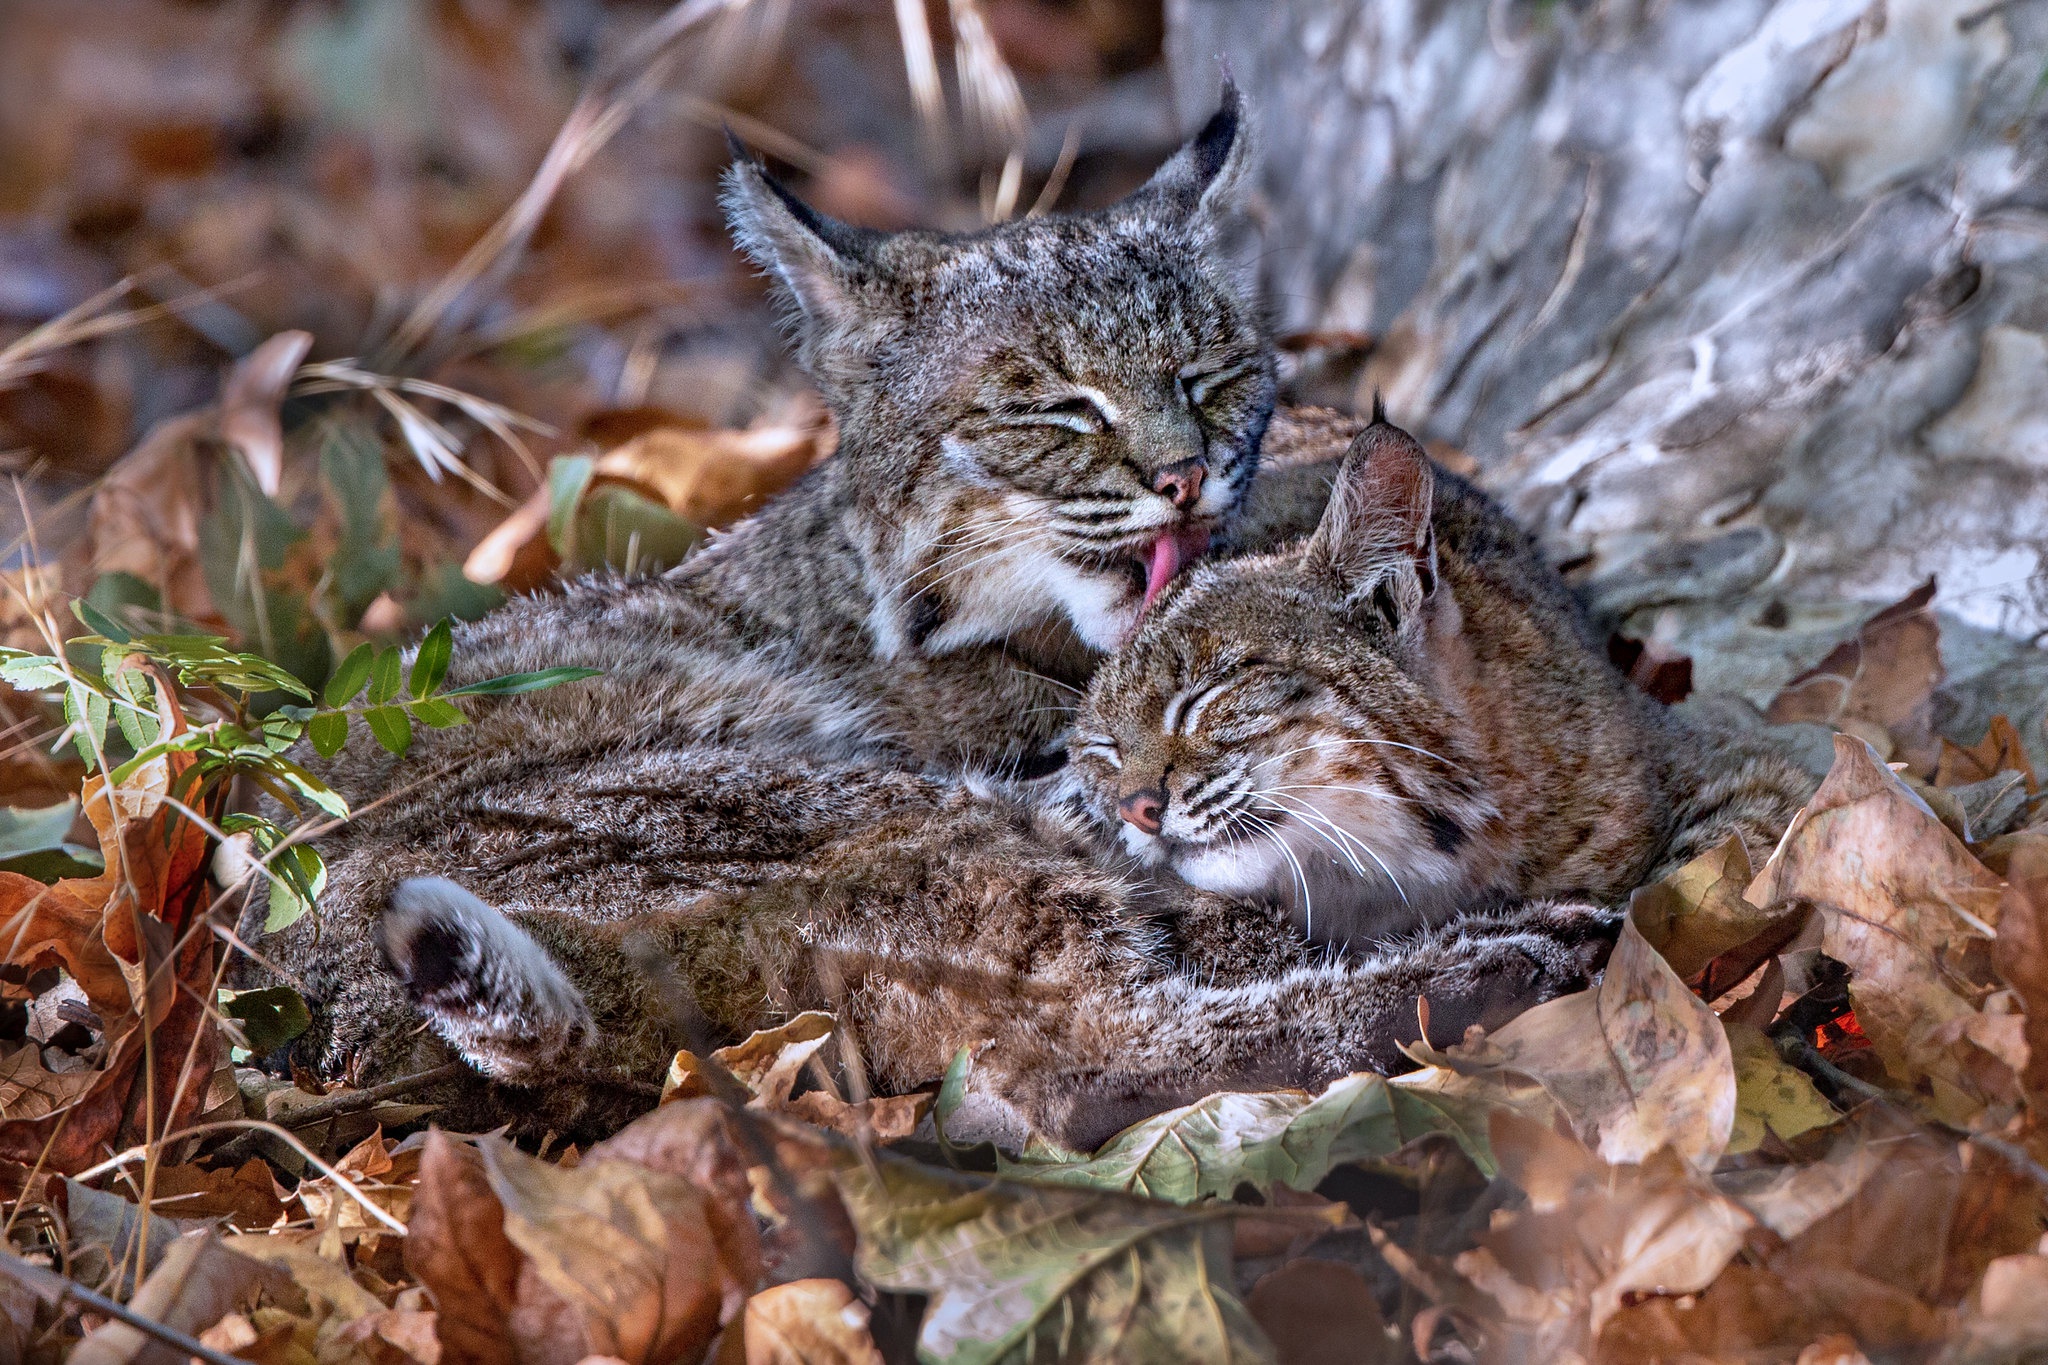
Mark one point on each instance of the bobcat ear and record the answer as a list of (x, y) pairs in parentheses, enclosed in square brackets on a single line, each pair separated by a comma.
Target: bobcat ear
[(1208, 176), (1375, 542), (816, 261)]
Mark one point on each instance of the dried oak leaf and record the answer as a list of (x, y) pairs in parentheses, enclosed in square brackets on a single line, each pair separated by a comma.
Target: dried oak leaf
[(457, 1248), (1771, 1096), (1999, 751), (1885, 677), (620, 1260), (1637, 1064), (121, 936), (769, 1063), (198, 1282), (1910, 912), (2020, 955), (1696, 918), (809, 1322), (1322, 1313), (2006, 1317)]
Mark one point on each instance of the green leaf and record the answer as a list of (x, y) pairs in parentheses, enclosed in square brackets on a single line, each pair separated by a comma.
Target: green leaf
[(89, 711), (118, 593), (349, 678), (99, 622), (384, 676), (509, 684), (270, 1017), (32, 843), (617, 528), (311, 787), (328, 731), (137, 719), (300, 876), (1209, 1148), (366, 557), (1021, 1272), (391, 726), (568, 476), (430, 665), (438, 713), (32, 673)]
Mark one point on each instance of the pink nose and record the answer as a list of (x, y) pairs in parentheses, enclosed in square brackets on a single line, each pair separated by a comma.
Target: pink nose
[(1181, 481), (1143, 809)]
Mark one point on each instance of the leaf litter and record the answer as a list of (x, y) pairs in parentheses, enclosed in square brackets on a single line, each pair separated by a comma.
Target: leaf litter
[(1798, 1118)]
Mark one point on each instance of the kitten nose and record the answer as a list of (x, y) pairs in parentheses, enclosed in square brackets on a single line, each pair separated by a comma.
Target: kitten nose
[(1143, 809), (1181, 481)]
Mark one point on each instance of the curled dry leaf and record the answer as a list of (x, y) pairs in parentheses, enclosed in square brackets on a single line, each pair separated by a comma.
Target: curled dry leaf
[(249, 400), (809, 1322), (122, 936), (456, 1246), (2020, 955), (198, 1282), (620, 1260), (1771, 1096), (1885, 677), (1637, 1064), (2000, 751), (769, 1064), (1698, 921), (1910, 912)]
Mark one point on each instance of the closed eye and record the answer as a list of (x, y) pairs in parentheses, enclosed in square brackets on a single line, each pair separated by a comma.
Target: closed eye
[(1104, 749), (1198, 385), (1088, 413)]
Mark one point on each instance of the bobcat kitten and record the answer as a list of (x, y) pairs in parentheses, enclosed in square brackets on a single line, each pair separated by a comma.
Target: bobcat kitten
[(1401, 718)]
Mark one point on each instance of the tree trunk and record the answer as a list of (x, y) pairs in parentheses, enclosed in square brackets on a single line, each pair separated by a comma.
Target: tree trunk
[(1729, 298)]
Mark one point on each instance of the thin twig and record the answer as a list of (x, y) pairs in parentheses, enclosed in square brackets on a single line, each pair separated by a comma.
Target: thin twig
[(341, 1106)]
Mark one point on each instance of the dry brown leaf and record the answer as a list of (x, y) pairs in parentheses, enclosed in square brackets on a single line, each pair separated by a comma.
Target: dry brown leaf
[(1697, 918), (1885, 677), (620, 1260), (145, 513), (1594, 1236), (249, 400), (456, 1246), (1770, 1095), (1322, 1313), (198, 1282), (1638, 1063), (769, 1063), (2006, 1318), (809, 1322), (1999, 751), (2020, 955), (1911, 913), (112, 933)]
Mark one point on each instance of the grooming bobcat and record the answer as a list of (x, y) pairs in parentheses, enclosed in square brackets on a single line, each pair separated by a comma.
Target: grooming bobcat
[(796, 781)]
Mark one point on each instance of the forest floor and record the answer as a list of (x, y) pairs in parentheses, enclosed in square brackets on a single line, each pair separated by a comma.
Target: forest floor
[(319, 325)]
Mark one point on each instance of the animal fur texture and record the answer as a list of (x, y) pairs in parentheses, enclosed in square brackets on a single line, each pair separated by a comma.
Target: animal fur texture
[(803, 778)]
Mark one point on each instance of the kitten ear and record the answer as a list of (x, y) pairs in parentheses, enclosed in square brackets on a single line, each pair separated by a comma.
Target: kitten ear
[(1376, 540), (1209, 175), (815, 260)]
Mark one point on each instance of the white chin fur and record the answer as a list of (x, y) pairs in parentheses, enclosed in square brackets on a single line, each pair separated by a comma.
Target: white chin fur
[(1256, 870)]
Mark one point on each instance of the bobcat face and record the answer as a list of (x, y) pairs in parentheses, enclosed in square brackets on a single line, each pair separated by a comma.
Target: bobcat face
[(1042, 421), (1276, 728)]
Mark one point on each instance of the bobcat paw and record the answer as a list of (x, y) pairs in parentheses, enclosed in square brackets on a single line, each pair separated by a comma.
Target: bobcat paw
[(482, 983), (1495, 966)]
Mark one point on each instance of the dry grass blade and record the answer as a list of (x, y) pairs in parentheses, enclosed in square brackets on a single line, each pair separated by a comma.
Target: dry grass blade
[(599, 113), (991, 105), (28, 353), (921, 65), (432, 444)]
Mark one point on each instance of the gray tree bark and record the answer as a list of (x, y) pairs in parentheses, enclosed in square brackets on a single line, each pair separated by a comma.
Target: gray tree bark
[(1727, 297)]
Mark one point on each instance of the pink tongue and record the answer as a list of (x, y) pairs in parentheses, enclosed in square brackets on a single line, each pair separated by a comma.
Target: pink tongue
[(1173, 549)]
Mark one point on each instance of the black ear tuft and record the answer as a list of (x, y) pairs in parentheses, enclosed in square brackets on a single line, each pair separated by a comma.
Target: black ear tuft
[(1379, 409), (1205, 178), (1212, 145)]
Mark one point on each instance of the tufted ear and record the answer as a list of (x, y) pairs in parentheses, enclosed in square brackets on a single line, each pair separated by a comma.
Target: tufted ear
[(815, 261), (1375, 546), (1210, 174)]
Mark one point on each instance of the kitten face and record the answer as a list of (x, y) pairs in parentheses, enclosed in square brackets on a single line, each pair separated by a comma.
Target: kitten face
[(1043, 420), (1277, 730)]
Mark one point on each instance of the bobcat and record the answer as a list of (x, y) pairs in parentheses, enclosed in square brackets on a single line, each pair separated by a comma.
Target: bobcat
[(802, 779), (1401, 719)]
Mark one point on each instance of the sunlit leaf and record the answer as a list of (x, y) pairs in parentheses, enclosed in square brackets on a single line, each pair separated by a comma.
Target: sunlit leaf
[(385, 678), (328, 731), (349, 677), (510, 683), (430, 665), (391, 726), (437, 713)]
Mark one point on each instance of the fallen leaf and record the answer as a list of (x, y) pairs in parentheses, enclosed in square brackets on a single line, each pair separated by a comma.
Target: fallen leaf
[(1266, 1139), (1910, 912), (249, 400), (1322, 1313), (770, 1062), (809, 1322), (1637, 1064), (456, 1246), (628, 1252), (2006, 1317), (1885, 676), (1697, 918), (198, 1282), (1018, 1271), (2020, 955), (1999, 751), (1771, 1095)]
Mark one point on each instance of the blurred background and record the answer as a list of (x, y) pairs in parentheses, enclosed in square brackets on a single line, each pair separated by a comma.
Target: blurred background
[(323, 320)]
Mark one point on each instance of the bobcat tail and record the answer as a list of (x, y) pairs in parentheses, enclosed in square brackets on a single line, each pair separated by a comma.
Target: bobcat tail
[(480, 980)]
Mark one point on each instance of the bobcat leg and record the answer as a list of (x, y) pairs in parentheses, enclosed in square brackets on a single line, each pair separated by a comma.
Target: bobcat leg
[(481, 981)]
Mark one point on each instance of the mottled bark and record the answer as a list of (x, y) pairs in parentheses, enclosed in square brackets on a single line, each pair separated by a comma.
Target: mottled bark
[(1727, 297)]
